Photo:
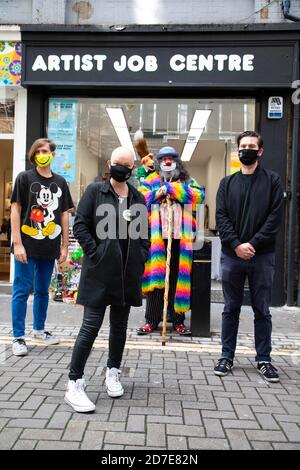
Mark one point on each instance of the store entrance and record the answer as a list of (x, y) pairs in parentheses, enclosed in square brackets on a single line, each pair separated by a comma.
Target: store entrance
[(6, 164), (203, 131)]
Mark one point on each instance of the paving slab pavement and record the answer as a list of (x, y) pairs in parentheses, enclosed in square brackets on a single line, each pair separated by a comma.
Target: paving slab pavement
[(172, 401)]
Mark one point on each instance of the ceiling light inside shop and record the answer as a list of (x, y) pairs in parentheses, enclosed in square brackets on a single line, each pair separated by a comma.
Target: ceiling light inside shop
[(119, 122), (199, 121)]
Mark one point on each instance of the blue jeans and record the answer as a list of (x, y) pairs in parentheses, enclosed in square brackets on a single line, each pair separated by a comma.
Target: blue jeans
[(260, 273), (37, 271)]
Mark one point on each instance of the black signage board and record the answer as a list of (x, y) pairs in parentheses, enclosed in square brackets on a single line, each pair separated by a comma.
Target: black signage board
[(181, 65)]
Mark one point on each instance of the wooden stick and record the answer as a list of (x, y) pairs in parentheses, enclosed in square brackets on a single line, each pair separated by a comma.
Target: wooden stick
[(167, 278)]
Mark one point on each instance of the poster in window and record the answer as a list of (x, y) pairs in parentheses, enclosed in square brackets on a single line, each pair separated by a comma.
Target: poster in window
[(62, 129)]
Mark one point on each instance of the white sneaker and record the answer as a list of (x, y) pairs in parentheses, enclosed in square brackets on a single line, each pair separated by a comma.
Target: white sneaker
[(19, 347), (76, 397), (113, 384), (46, 338)]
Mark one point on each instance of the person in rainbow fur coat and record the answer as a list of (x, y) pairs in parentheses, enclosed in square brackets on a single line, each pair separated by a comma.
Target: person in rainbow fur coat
[(170, 178)]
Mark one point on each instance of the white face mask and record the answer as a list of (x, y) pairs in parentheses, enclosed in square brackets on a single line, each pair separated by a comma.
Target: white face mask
[(165, 167)]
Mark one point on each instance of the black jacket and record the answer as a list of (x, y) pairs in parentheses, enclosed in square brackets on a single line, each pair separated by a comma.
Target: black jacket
[(104, 278), (266, 210)]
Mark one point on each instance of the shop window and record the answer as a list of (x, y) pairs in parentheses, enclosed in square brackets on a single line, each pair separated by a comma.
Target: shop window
[(89, 137), (7, 116), (91, 133)]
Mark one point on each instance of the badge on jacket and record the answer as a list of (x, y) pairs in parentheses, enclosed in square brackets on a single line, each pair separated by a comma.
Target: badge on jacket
[(127, 215)]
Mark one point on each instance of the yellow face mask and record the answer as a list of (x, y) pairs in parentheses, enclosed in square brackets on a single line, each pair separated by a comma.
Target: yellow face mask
[(43, 159)]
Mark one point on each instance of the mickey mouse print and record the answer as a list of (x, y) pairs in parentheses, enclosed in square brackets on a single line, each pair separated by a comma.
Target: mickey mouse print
[(42, 214), (42, 201)]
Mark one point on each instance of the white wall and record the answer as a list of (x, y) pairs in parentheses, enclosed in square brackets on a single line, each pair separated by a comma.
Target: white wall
[(112, 12), (20, 132), (6, 164), (271, 12), (19, 143), (159, 11), (32, 11)]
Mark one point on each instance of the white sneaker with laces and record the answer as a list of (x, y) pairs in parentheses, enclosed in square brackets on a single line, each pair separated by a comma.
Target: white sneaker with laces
[(19, 347), (76, 397), (113, 384), (46, 338)]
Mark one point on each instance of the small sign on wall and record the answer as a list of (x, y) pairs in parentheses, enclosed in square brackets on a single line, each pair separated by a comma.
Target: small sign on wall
[(275, 107)]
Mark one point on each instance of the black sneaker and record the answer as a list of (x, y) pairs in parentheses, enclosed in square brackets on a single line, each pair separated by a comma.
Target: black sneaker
[(268, 371), (223, 367)]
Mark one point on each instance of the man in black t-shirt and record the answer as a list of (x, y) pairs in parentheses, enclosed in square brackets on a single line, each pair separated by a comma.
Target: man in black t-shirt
[(40, 226)]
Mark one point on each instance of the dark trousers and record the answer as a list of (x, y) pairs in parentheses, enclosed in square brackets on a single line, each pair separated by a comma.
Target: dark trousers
[(260, 273), (155, 299), (92, 322)]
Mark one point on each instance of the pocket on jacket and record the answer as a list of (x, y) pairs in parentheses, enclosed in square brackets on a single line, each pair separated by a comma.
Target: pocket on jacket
[(100, 254)]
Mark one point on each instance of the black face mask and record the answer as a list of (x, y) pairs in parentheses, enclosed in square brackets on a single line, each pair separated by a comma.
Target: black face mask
[(120, 173), (248, 156)]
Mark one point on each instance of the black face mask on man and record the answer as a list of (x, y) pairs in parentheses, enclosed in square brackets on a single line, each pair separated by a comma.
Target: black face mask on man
[(248, 156), (120, 173)]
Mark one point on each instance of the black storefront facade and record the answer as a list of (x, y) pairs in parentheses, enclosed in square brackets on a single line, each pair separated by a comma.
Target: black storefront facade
[(258, 61)]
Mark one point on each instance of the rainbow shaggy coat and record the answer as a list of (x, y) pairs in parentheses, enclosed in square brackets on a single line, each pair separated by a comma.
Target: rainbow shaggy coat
[(188, 194)]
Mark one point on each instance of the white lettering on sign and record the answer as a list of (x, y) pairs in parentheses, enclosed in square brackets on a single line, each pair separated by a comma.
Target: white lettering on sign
[(100, 59), (234, 63), (177, 62), (149, 63), (220, 58), (193, 62), (136, 63), (121, 65), (206, 62), (87, 63), (248, 62), (68, 61), (53, 62), (77, 62), (39, 64)]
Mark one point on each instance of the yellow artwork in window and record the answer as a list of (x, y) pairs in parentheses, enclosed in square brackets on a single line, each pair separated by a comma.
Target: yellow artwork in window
[(10, 63), (235, 164)]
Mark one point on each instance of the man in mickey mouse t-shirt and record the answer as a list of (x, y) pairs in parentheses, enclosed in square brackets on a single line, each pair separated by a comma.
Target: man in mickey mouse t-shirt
[(40, 228)]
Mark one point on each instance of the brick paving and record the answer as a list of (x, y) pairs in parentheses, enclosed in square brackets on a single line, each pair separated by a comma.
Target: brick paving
[(172, 398)]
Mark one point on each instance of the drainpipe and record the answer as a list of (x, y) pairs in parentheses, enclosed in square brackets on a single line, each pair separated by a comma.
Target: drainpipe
[(293, 209), (285, 7)]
